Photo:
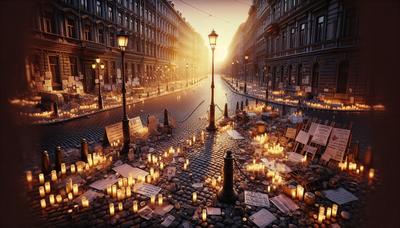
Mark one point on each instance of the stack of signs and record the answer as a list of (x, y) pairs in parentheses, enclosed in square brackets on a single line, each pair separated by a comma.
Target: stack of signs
[(284, 204), (262, 218), (321, 134), (291, 133), (256, 199), (337, 145), (303, 137)]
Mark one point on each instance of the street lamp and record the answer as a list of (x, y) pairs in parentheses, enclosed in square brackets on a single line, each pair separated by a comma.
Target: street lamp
[(246, 57), (187, 76), (98, 66), (212, 37), (122, 38)]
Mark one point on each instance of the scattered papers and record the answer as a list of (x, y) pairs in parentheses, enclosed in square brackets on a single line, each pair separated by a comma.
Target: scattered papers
[(256, 199), (146, 189), (276, 166), (146, 213), (90, 195), (321, 134), (162, 210), (313, 126), (291, 133), (197, 185), (126, 169), (213, 211), (284, 204), (340, 196), (310, 149), (337, 145), (262, 218), (303, 137), (168, 221), (234, 134), (104, 183), (295, 157)]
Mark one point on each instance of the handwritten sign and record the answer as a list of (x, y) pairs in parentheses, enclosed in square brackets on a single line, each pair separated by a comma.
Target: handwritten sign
[(321, 134), (125, 170), (114, 133), (337, 144), (262, 218), (146, 189), (303, 137), (135, 125), (256, 199), (291, 133), (313, 126)]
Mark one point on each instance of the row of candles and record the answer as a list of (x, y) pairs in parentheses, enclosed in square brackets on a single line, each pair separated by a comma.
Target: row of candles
[(354, 167), (327, 213)]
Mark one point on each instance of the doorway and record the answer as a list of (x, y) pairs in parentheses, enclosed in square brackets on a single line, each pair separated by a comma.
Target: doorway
[(55, 73)]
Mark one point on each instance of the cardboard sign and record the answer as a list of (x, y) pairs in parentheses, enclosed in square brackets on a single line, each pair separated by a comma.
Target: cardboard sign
[(303, 137), (135, 125), (114, 133), (256, 199), (262, 218), (291, 133), (125, 170), (153, 124), (146, 189), (321, 134), (340, 196), (337, 145), (284, 204), (310, 149), (104, 183), (313, 126)]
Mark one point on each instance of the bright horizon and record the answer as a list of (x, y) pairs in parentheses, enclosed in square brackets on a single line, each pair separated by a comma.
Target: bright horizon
[(225, 22)]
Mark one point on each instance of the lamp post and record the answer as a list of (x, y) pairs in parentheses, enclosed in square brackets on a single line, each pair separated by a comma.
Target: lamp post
[(187, 76), (98, 66), (233, 64), (166, 76), (122, 38), (237, 74), (213, 42), (246, 57)]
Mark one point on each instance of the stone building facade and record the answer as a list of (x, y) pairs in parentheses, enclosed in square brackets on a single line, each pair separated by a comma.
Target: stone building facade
[(68, 35), (308, 46)]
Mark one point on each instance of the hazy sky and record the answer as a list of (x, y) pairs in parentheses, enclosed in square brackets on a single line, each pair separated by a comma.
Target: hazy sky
[(226, 17)]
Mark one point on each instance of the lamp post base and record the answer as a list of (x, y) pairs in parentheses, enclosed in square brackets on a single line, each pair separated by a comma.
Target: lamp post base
[(211, 127), (227, 196)]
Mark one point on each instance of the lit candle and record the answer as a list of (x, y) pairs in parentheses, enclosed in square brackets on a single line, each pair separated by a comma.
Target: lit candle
[(58, 199), (85, 202), (328, 212), (130, 180), (269, 188), (108, 190), (322, 210), (293, 193), (47, 187), (111, 209), (334, 210), (53, 175), (320, 218), (68, 186), (185, 166), (161, 165), (149, 158), (73, 169), (219, 179), (128, 192), (41, 178), (70, 196), (51, 199), (75, 189), (135, 206), (371, 173), (152, 171), (63, 168), (43, 203), (120, 206), (114, 191), (153, 199), (214, 182), (148, 179), (300, 192), (119, 194), (160, 199), (194, 197), (204, 215), (41, 191), (29, 176)]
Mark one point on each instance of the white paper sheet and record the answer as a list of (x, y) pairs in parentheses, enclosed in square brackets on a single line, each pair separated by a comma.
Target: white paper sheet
[(146, 189), (294, 157), (90, 195), (104, 183), (213, 211), (168, 221), (284, 204), (302, 137), (126, 169), (262, 218), (256, 199), (340, 196), (234, 134)]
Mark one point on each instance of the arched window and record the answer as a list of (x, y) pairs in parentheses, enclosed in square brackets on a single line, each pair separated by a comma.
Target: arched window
[(315, 78), (342, 77)]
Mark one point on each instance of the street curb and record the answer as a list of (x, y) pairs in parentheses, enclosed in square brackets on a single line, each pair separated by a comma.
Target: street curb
[(294, 106), (104, 110)]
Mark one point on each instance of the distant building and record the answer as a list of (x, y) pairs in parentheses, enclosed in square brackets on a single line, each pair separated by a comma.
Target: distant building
[(68, 35), (302, 45)]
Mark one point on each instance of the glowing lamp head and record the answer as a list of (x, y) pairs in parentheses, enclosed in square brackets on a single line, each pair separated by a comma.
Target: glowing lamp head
[(122, 39), (187, 65), (97, 60), (212, 38), (93, 66), (102, 66), (246, 57)]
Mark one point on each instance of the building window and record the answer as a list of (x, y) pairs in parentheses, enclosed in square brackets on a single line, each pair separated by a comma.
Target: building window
[(285, 5), (283, 40), (87, 35), (349, 23), (126, 21), (315, 78), (112, 39), (343, 75), (120, 18), (299, 75), (106, 76), (292, 37), (319, 32), (302, 38), (99, 8), (110, 13), (73, 66), (292, 80), (71, 28), (84, 4), (113, 72), (47, 23), (101, 36)]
